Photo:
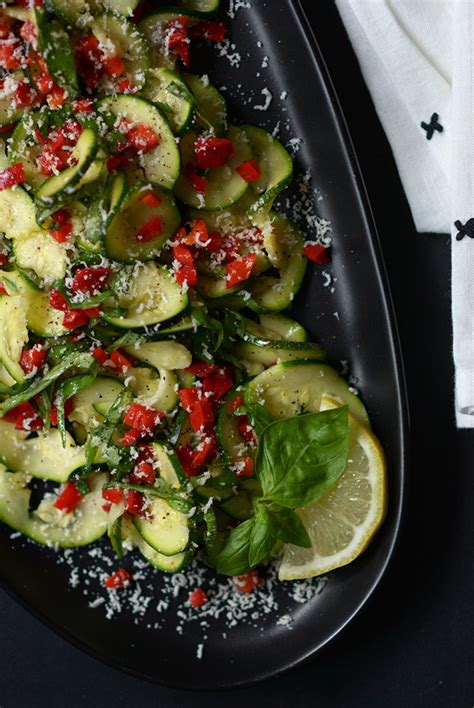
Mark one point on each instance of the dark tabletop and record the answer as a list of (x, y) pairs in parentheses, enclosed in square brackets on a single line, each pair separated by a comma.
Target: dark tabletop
[(412, 645)]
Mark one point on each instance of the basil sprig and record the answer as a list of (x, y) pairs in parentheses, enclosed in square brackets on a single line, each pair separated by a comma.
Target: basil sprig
[(298, 461)]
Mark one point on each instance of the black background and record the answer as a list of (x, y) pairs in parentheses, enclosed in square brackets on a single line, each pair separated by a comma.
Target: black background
[(412, 645)]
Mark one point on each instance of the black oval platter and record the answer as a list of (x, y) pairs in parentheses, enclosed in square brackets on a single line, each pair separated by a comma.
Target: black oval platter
[(275, 61)]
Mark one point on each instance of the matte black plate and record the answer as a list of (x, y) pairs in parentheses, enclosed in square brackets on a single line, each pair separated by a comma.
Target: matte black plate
[(355, 323)]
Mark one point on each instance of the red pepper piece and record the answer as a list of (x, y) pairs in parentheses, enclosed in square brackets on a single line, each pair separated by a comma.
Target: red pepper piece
[(90, 280), (120, 361), (187, 275), (114, 495), (235, 403), (28, 33), (239, 270), (75, 318), (214, 243), (11, 54), (134, 502), (57, 300), (24, 95), (197, 182), (246, 431), (130, 437), (56, 97), (3, 260), (218, 386), (243, 467), (210, 30), (142, 138), (199, 409), (247, 582), (143, 473), (317, 253), (249, 171), (177, 38), (69, 498), (197, 597), (14, 413), (117, 162), (151, 199), (213, 152), (62, 216), (143, 418), (127, 86), (114, 66), (3, 290), (202, 369), (12, 175), (183, 255), (192, 460), (83, 105), (118, 580), (32, 359), (150, 230), (198, 236), (100, 355), (62, 233)]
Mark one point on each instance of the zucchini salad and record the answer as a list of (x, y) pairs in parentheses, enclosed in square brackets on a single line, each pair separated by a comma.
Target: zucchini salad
[(152, 388)]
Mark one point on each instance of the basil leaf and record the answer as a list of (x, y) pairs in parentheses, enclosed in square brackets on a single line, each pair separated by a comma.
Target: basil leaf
[(288, 527), (79, 360), (233, 558), (262, 537), (299, 459)]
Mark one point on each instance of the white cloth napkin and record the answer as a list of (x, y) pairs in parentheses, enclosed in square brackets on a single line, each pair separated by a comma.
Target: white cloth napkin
[(417, 58)]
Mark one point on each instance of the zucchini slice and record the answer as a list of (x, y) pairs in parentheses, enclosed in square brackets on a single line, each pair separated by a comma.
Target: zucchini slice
[(230, 441), (120, 37), (284, 327), (157, 389), (42, 319), (13, 334), (17, 213), (295, 387), (24, 147), (170, 94), (167, 564), (169, 466), (77, 13), (275, 164), (154, 28), (59, 187), (210, 104), (42, 255), (100, 213), (150, 295), (121, 240), (42, 457), (224, 186), (203, 6), (162, 163), (47, 525), (162, 355), (95, 399), (166, 530), (268, 352)]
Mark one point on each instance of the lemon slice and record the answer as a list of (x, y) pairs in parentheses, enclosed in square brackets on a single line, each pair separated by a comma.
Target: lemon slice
[(343, 521)]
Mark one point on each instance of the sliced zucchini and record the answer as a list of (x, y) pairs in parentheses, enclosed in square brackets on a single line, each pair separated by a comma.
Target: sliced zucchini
[(167, 564), (165, 529), (284, 327), (162, 163), (48, 525), (204, 6), (169, 466), (121, 241), (42, 319), (24, 147), (120, 37), (154, 28), (269, 352), (40, 253), (224, 186), (184, 325), (42, 457), (55, 46), (95, 399), (13, 334), (77, 13), (170, 94), (211, 106), (230, 441), (167, 355), (157, 389), (216, 288), (295, 387), (275, 165), (59, 187), (101, 212), (17, 213), (150, 295)]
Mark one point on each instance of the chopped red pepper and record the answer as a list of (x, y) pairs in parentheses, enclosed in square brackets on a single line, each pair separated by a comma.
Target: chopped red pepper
[(61, 216), (57, 300), (317, 253), (114, 66), (32, 359), (210, 30), (198, 236), (24, 95), (50, 162), (197, 182), (130, 437), (234, 403), (117, 162), (83, 105), (217, 386), (142, 138), (192, 460), (199, 408), (249, 171), (177, 38), (3, 290), (239, 270), (29, 421), (12, 415), (134, 502), (3, 259), (142, 418), (28, 33), (149, 230), (127, 86), (151, 199), (213, 152), (202, 369), (183, 255), (114, 495), (11, 176), (56, 97), (247, 582), (119, 360), (243, 467), (246, 431), (100, 355), (69, 498), (7, 128), (187, 275), (11, 54), (75, 318), (90, 280), (62, 233), (197, 597), (143, 473), (118, 580)]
